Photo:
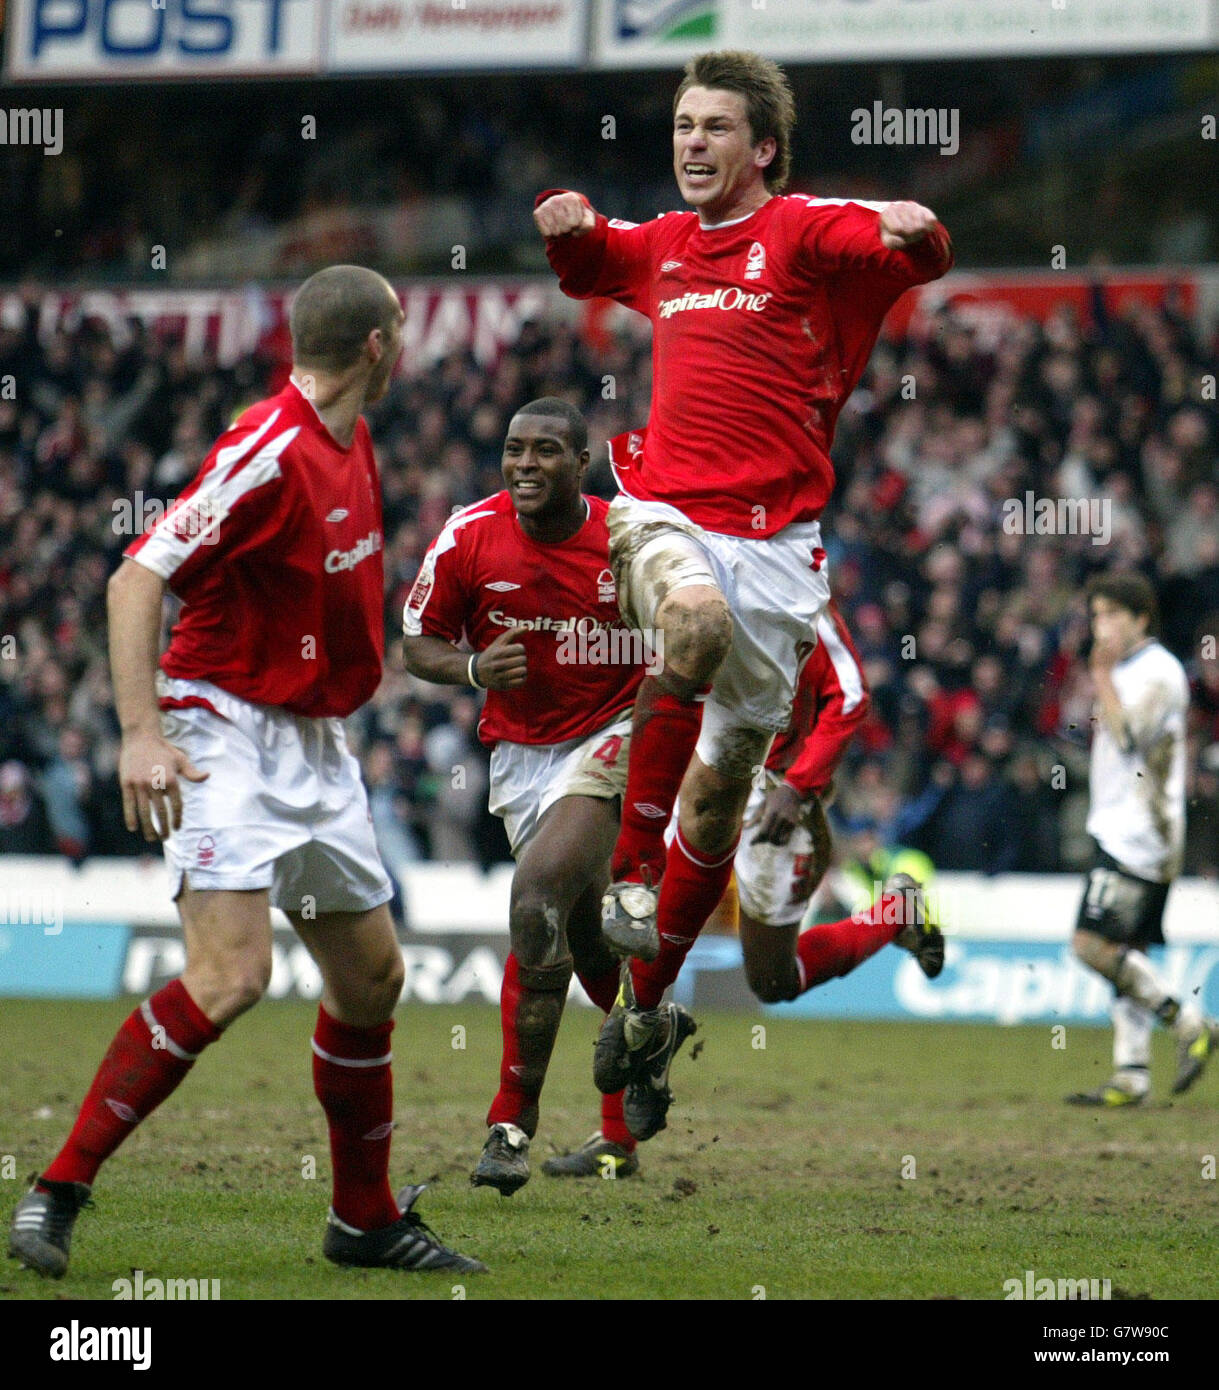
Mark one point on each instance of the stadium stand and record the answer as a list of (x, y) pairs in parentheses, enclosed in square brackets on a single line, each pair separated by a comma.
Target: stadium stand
[(957, 756)]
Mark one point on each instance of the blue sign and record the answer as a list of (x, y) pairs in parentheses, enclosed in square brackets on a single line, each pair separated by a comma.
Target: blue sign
[(77, 960), (983, 980)]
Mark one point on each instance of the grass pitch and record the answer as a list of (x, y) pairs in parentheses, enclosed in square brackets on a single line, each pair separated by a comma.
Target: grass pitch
[(780, 1175)]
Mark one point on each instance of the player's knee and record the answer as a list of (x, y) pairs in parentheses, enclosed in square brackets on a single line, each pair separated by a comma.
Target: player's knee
[(732, 757), (773, 986), (536, 927), (711, 821), (251, 983), (697, 627), (771, 977), (224, 989), (385, 979)]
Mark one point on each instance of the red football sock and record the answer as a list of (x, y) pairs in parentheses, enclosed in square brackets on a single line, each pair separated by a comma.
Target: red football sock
[(353, 1079), (664, 731), (613, 1126), (150, 1054), (836, 948), (529, 1019), (693, 884)]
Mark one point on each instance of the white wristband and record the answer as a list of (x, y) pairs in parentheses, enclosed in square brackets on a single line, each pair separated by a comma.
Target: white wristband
[(470, 672)]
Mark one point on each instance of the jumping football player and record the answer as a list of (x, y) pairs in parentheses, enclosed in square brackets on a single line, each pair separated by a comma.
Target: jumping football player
[(523, 576), (234, 755), (1136, 816), (778, 868), (765, 309)]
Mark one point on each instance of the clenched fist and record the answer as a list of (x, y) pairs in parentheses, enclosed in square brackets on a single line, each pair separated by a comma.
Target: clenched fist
[(564, 214), (905, 224), (502, 665)]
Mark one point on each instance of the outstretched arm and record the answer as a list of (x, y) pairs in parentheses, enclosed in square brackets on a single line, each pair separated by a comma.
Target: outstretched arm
[(902, 241), (592, 255)]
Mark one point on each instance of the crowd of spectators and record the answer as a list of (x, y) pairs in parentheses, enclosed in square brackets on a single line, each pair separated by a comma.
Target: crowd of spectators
[(973, 634)]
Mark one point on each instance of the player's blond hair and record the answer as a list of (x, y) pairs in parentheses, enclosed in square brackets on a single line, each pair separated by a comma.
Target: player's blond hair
[(769, 104)]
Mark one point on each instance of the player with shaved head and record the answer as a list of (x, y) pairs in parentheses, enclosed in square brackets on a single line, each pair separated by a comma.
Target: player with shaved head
[(233, 754), (765, 307)]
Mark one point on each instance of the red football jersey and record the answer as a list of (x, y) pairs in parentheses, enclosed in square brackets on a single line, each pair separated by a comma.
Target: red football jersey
[(483, 574), (761, 328), (275, 552), (831, 699)]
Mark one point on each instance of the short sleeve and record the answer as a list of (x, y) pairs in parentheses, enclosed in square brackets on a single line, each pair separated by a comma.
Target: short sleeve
[(438, 604), (234, 502)]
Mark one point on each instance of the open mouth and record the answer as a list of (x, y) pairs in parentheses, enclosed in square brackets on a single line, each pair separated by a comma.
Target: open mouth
[(698, 173), (530, 487)]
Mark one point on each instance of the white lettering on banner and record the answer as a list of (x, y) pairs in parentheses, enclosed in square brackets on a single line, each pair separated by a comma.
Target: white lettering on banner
[(854, 30), (482, 318), (1015, 989), (980, 980), (434, 974)]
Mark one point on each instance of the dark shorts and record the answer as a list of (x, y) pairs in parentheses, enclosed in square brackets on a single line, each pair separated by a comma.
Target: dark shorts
[(1120, 906)]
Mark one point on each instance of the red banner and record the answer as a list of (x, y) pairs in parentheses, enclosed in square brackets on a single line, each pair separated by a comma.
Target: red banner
[(485, 316)]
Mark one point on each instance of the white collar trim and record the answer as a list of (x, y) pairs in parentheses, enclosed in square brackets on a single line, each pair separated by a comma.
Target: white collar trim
[(732, 222), (304, 395)]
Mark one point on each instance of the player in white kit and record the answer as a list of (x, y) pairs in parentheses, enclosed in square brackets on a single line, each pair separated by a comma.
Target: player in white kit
[(1136, 817)]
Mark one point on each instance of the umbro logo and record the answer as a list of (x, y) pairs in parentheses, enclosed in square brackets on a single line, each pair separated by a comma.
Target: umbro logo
[(339, 514), (502, 586), (645, 808), (668, 266)]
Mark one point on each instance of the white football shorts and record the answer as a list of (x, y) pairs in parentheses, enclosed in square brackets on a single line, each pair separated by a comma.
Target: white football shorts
[(776, 588), (771, 879), (527, 779), (284, 807)]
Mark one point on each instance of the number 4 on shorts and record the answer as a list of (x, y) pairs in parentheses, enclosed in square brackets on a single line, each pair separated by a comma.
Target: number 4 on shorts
[(609, 750)]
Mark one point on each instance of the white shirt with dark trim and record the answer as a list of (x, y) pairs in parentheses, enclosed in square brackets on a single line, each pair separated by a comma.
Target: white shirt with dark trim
[(1136, 809)]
